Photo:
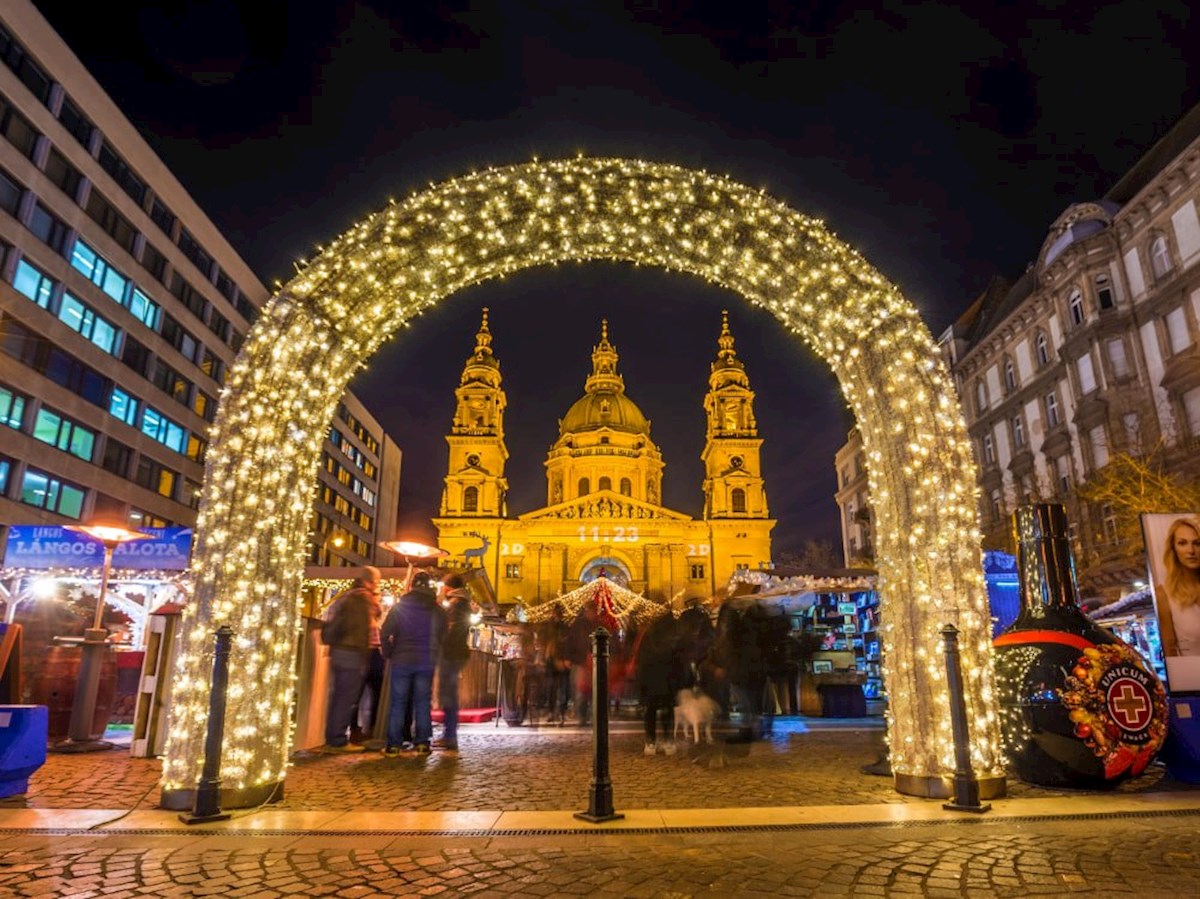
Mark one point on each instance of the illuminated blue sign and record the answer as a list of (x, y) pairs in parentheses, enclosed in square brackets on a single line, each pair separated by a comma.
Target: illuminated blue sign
[(46, 546)]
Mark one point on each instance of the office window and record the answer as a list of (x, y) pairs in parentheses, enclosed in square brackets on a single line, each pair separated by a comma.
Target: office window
[(143, 308), (26, 70), (44, 491), (12, 408), (179, 337), (154, 262), (226, 286), (135, 355), (219, 325), (116, 457), (1075, 306), (17, 129), (470, 499), (48, 228), (34, 283), (189, 296), (163, 217), (156, 477), (96, 269), (737, 499), (79, 316), (246, 309), (1104, 292), (76, 123), (65, 434), (112, 222), (191, 493), (64, 175), (169, 381), (112, 163), (192, 250), (123, 406), (5, 474), (167, 432), (10, 193)]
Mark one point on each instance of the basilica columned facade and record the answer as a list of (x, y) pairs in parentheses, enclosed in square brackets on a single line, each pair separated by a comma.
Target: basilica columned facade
[(604, 478)]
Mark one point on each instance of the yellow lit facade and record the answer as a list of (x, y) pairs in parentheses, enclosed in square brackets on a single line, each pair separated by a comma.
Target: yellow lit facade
[(603, 489)]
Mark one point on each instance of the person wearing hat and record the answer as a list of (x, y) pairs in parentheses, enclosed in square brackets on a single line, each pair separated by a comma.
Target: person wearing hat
[(347, 633), (411, 638)]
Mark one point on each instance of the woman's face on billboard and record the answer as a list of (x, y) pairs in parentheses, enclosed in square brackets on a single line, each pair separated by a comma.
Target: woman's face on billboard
[(1187, 547)]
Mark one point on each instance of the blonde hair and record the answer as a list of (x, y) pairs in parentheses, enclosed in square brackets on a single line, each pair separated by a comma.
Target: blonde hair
[(1183, 584)]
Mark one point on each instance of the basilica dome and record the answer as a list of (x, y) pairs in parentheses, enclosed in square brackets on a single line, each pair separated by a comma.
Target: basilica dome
[(604, 409)]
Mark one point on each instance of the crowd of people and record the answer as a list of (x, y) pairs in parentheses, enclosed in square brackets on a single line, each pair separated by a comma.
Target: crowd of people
[(747, 661)]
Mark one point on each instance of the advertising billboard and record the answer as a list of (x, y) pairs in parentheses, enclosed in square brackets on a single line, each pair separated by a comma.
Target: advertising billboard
[(48, 547), (1173, 560)]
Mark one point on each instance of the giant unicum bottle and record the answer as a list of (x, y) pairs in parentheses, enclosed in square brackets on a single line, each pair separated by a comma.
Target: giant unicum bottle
[(1078, 707)]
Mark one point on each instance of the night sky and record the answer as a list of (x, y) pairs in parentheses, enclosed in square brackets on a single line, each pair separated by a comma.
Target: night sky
[(940, 143)]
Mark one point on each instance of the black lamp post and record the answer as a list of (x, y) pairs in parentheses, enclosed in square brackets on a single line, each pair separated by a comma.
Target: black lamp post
[(95, 642)]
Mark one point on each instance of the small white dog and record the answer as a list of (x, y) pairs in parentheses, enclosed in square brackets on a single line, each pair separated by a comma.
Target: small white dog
[(695, 709)]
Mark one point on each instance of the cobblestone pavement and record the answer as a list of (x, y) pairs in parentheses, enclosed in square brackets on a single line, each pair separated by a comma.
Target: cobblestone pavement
[(1153, 856), (519, 769)]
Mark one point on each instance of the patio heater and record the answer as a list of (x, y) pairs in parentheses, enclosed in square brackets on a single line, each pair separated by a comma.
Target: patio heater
[(409, 550), (93, 646)]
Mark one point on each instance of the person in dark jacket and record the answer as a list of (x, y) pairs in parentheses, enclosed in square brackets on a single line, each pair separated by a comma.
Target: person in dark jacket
[(347, 633), (455, 653), (557, 659), (411, 637), (660, 672), (695, 637)]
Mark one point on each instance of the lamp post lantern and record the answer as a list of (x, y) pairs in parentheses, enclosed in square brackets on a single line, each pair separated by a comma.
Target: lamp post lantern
[(95, 641)]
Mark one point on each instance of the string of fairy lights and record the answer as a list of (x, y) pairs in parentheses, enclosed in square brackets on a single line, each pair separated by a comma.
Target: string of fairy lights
[(327, 322)]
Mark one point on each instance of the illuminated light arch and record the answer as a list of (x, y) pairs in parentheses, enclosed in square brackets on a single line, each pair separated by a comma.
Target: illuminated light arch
[(331, 318)]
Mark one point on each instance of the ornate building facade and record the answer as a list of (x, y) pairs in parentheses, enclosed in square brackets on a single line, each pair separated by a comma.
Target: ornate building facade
[(604, 478), (1092, 352)]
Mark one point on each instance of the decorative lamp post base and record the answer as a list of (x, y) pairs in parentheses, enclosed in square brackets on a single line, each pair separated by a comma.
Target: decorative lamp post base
[(598, 819), (248, 797), (205, 819), (990, 787)]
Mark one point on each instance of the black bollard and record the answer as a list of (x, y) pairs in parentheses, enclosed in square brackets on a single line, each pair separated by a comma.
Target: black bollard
[(600, 806), (208, 791), (966, 785)]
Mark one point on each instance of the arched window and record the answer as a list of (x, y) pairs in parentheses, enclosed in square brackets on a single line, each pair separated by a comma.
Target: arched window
[(585, 486), (1160, 257), (626, 487), (980, 397), (1010, 375), (1104, 293), (470, 499), (1018, 431), (605, 484), (1075, 305), (1043, 349), (737, 499)]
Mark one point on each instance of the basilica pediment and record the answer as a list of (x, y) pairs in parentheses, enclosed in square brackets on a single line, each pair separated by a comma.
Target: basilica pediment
[(605, 504)]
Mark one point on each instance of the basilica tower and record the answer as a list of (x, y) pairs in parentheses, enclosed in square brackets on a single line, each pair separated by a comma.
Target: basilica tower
[(475, 482), (735, 501)]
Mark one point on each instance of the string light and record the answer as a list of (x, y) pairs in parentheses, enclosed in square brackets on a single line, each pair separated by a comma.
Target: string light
[(324, 324)]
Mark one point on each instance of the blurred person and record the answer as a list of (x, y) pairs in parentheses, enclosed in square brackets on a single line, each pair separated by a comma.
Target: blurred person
[(557, 664), (579, 651), (659, 673), (347, 633), (695, 636), (454, 655), (1178, 596), (411, 637)]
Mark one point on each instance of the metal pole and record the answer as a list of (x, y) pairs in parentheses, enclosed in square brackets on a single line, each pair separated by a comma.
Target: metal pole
[(600, 805), (966, 785), (87, 684), (208, 807)]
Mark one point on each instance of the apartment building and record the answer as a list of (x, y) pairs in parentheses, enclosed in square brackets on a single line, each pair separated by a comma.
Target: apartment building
[(853, 497), (121, 309)]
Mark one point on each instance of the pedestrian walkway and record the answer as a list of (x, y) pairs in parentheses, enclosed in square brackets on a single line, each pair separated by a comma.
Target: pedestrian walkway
[(790, 816)]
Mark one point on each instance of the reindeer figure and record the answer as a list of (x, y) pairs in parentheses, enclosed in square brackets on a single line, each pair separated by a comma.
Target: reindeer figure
[(478, 552)]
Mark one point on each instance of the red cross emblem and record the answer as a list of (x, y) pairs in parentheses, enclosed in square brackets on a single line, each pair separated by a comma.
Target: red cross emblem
[(1129, 704)]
